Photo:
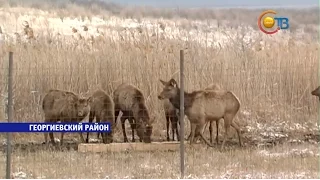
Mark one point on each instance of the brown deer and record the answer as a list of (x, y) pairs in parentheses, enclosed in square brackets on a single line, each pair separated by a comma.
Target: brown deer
[(172, 114), (64, 106), (102, 108), (316, 92), (204, 106), (211, 87), (130, 101)]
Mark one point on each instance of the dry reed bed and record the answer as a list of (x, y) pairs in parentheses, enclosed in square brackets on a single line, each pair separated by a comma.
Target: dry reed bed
[(51, 26), (273, 86)]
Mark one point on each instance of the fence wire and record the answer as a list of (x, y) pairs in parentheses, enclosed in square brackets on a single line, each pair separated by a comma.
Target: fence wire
[(277, 116)]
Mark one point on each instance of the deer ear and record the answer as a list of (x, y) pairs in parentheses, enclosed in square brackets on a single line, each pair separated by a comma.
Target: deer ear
[(163, 82), (173, 82), (89, 100)]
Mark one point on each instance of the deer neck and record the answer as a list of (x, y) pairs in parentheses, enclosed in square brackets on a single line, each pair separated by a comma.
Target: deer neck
[(188, 98)]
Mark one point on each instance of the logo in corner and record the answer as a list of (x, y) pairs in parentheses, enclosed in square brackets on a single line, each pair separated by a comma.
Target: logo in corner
[(267, 24)]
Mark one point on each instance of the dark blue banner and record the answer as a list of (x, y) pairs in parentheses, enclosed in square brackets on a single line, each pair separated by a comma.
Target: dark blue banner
[(55, 127)]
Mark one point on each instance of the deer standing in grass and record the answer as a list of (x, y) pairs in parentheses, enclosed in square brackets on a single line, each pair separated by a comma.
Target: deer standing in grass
[(204, 106), (211, 87), (172, 115)]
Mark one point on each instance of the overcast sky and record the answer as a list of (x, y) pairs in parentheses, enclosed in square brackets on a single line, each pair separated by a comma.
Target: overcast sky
[(218, 3)]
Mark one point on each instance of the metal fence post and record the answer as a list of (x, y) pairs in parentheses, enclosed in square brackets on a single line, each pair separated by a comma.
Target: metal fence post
[(182, 114), (319, 83), (9, 112)]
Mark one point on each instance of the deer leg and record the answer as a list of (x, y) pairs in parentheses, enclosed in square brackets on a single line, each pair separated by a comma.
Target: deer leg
[(98, 134), (188, 138), (46, 134), (193, 131), (197, 135), (107, 137), (176, 121), (116, 115), (81, 137), (203, 138), (210, 130), (51, 133), (227, 123), (199, 130), (167, 123), (173, 127), (133, 127), (98, 119), (52, 138), (217, 125), (91, 116), (61, 138), (236, 126), (45, 138), (125, 139)]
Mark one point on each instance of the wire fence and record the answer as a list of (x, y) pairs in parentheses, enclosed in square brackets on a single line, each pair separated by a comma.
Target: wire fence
[(277, 115)]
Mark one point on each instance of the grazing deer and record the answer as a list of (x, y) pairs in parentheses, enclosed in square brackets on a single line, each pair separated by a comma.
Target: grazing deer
[(102, 108), (130, 101), (64, 106)]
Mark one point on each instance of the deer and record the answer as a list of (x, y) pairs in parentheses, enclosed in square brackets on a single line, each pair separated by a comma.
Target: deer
[(204, 106), (316, 92), (172, 116), (131, 102), (102, 108), (64, 106), (211, 87)]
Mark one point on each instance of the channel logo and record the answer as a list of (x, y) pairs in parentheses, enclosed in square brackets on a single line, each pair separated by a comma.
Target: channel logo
[(269, 24)]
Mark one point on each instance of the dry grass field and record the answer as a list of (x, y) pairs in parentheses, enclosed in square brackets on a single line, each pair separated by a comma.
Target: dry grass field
[(278, 114), (283, 161)]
